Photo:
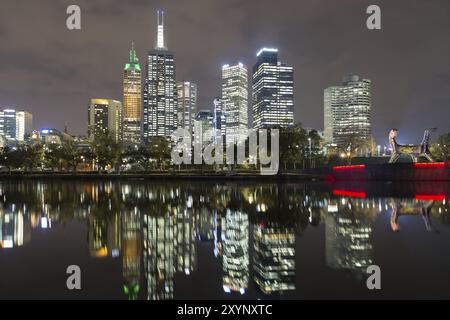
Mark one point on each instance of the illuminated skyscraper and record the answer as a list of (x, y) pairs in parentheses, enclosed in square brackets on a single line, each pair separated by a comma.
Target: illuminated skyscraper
[(24, 124), (105, 115), (235, 258), (203, 126), (160, 90), (219, 122), (187, 104), (347, 110), (235, 101), (15, 125), (274, 258), (272, 91), (132, 100)]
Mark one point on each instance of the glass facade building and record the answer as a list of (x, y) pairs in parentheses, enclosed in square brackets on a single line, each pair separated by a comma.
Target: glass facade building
[(235, 101), (160, 116), (347, 111), (272, 91), (187, 104), (105, 116)]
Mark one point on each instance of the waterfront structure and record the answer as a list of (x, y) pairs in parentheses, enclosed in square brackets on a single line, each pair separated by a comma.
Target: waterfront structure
[(132, 99), (105, 116), (187, 105), (235, 102), (15, 125), (160, 116), (347, 111), (274, 258), (272, 91)]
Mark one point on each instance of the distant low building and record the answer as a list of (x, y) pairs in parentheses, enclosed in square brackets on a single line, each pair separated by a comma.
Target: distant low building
[(105, 115), (15, 125), (50, 136)]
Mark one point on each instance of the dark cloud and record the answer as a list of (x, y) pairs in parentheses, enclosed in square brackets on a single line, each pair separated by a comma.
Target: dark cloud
[(54, 72)]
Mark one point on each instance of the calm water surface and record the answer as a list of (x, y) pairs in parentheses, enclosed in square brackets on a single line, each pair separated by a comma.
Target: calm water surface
[(225, 240)]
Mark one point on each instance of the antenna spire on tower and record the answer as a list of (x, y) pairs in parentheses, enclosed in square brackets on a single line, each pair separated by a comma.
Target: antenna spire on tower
[(160, 36)]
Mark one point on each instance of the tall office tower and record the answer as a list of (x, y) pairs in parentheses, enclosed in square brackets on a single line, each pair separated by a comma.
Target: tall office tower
[(187, 104), (203, 126), (219, 122), (347, 111), (272, 91), (160, 90), (8, 124), (15, 125), (132, 100), (235, 235), (105, 115), (274, 258), (235, 102), (24, 124)]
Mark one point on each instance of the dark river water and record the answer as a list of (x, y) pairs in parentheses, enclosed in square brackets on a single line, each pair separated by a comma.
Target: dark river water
[(223, 240)]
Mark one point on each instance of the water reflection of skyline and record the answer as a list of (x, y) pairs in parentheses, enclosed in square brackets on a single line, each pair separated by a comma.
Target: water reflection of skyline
[(155, 229)]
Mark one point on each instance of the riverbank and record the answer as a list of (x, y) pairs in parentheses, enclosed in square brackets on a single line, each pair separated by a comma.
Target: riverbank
[(254, 176)]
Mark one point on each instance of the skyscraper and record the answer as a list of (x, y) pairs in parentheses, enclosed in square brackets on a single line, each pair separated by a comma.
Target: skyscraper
[(347, 111), (24, 124), (235, 101), (15, 125), (187, 104), (132, 100), (204, 126), (160, 90), (272, 91), (105, 116), (219, 122)]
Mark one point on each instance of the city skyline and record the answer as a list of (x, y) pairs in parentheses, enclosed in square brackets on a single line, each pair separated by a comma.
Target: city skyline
[(421, 77)]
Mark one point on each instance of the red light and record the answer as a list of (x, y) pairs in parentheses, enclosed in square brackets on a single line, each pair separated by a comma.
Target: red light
[(429, 165), (433, 197), (347, 193), (351, 167)]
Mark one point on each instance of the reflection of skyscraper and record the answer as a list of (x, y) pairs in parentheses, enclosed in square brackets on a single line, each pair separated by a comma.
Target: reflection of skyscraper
[(15, 228), (274, 258), (205, 223), (348, 241), (235, 258), (185, 257), (131, 252), (159, 256), (104, 236)]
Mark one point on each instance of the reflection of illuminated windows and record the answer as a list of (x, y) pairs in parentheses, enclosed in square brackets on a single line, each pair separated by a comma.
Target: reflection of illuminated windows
[(235, 258), (348, 241), (15, 228), (159, 256), (274, 258)]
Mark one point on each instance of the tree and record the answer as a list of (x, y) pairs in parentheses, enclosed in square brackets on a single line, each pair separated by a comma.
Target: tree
[(11, 158), (71, 156), (32, 156), (106, 150), (159, 149), (53, 157), (440, 149)]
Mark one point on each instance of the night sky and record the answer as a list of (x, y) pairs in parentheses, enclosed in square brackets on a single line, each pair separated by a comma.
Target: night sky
[(53, 72)]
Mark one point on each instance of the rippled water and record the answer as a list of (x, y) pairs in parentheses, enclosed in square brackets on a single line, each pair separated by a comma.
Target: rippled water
[(200, 240)]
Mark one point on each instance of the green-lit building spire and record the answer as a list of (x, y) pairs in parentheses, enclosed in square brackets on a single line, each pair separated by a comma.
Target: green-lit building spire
[(134, 61)]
